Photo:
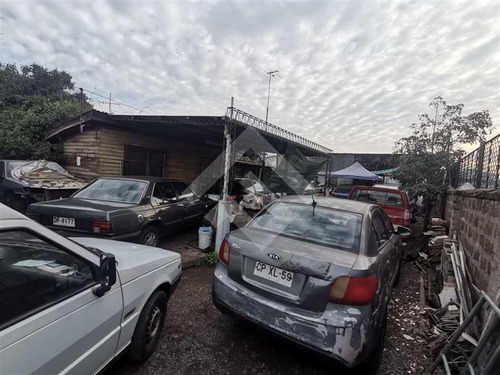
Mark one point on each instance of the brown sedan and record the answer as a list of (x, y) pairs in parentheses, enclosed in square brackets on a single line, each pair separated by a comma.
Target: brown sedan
[(135, 209)]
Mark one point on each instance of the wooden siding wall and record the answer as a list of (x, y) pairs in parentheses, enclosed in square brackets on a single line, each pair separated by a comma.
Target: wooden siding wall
[(183, 158), (86, 146)]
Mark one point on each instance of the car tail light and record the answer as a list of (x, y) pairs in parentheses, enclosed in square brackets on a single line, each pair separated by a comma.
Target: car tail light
[(353, 290), (101, 227), (224, 252), (407, 215)]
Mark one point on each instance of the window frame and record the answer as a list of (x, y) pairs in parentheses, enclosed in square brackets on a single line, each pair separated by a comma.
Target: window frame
[(93, 267), (164, 202), (378, 214), (129, 148), (179, 194)]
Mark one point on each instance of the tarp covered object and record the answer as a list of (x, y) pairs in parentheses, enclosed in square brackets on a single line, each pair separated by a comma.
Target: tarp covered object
[(45, 174), (294, 173), (355, 171)]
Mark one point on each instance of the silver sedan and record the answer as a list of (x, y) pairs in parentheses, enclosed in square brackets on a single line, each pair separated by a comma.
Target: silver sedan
[(319, 271)]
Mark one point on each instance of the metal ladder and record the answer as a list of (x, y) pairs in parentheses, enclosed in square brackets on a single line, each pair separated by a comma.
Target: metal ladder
[(485, 336)]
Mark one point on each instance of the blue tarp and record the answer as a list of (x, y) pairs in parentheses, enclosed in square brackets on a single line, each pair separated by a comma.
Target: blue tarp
[(355, 171), (385, 171)]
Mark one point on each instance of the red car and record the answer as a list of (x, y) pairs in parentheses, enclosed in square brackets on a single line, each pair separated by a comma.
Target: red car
[(393, 202)]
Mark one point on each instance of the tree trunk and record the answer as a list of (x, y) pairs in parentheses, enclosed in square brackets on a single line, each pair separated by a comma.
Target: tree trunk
[(427, 214)]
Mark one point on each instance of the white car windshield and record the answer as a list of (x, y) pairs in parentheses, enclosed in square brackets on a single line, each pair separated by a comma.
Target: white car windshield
[(325, 226), (124, 191)]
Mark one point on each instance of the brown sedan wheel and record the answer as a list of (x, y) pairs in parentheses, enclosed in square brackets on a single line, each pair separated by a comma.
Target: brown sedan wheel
[(149, 327), (150, 236)]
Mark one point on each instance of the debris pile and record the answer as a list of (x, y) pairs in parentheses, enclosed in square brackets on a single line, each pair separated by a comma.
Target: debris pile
[(448, 294)]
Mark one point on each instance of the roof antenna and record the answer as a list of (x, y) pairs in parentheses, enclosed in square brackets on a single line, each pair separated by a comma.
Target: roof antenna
[(314, 203)]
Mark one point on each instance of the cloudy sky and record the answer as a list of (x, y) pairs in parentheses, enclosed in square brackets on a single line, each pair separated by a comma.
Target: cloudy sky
[(352, 75)]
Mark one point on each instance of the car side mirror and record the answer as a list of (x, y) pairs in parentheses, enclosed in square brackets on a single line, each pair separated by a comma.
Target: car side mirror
[(145, 200), (106, 275), (404, 232)]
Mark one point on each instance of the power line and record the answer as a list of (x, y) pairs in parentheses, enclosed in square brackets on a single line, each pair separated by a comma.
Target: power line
[(115, 102)]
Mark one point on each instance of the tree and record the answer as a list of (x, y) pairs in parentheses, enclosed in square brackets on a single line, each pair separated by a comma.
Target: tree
[(434, 149), (33, 99)]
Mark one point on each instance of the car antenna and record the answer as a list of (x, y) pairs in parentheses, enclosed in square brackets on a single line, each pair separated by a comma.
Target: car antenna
[(314, 203)]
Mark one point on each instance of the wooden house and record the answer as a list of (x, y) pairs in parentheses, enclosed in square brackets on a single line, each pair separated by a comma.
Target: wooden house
[(181, 147)]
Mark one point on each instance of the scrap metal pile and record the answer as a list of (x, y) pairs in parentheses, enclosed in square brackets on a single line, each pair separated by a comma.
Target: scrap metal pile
[(448, 296)]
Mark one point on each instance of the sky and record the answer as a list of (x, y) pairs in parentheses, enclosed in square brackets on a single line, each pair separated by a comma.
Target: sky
[(352, 75)]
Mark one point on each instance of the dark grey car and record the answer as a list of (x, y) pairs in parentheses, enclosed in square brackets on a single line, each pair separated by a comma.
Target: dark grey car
[(317, 271), (135, 209)]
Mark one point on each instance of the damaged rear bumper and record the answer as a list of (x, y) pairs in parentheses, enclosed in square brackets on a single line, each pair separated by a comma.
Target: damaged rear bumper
[(343, 333)]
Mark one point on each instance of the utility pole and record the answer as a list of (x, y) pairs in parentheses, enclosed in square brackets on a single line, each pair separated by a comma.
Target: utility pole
[(109, 111), (81, 110), (271, 74)]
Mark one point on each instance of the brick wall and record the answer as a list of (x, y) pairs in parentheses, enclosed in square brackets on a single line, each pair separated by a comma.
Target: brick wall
[(474, 216)]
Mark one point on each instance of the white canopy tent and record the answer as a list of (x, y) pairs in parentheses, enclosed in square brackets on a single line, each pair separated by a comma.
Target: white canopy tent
[(355, 171)]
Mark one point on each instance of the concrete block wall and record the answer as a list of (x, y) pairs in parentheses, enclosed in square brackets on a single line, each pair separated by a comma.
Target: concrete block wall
[(474, 216)]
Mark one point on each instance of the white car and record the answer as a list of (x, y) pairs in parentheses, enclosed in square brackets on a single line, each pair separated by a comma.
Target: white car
[(70, 306)]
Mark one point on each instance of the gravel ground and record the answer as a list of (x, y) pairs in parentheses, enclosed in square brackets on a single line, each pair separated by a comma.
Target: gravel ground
[(199, 340)]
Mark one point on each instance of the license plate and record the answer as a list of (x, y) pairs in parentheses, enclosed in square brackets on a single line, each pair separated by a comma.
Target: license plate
[(64, 221), (273, 273)]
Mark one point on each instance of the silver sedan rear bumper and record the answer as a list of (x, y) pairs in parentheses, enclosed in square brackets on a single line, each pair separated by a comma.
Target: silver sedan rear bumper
[(343, 333)]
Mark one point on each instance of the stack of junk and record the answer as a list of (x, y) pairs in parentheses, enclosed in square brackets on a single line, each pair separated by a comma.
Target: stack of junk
[(463, 322)]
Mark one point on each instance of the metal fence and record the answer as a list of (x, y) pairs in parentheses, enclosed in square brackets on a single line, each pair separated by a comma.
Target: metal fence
[(482, 166), (260, 124)]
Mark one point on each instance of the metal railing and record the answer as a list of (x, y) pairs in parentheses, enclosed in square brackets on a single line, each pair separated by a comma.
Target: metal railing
[(248, 119), (481, 167)]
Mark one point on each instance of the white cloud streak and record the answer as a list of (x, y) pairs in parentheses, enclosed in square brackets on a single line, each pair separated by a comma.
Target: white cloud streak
[(352, 75)]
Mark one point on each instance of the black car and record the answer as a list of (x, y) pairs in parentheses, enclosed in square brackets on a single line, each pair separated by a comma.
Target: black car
[(27, 181), (135, 209)]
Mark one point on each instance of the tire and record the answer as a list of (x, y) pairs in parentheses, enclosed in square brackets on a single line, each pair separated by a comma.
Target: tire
[(372, 363), (149, 328), (150, 236)]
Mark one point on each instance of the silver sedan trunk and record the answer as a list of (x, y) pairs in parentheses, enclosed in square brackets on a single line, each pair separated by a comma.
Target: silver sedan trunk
[(318, 272)]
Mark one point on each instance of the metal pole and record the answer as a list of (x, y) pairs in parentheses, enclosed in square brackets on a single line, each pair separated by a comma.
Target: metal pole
[(480, 162), (268, 93), (223, 219), (458, 332), (227, 154)]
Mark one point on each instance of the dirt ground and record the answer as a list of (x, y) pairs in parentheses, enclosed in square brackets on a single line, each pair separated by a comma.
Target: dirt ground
[(199, 340)]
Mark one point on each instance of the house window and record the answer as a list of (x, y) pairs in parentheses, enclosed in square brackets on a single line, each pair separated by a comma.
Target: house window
[(142, 161)]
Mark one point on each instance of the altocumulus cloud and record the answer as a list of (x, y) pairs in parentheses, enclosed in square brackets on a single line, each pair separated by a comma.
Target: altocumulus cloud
[(352, 75)]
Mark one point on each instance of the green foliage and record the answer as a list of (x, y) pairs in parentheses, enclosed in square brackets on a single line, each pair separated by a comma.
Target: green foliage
[(430, 153), (32, 101), (211, 259)]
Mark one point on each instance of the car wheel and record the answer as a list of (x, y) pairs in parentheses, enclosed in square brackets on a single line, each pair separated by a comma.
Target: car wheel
[(150, 236), (372, 363), (149, 327)]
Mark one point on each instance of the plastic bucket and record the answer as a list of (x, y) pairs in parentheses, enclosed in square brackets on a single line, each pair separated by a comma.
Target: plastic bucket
[(204, 237)]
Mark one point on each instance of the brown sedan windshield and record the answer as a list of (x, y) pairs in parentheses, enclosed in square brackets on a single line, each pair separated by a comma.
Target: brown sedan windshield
[(126, 191)]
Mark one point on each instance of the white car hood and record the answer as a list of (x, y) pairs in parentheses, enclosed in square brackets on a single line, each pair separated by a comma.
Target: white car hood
[(133, 260)]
